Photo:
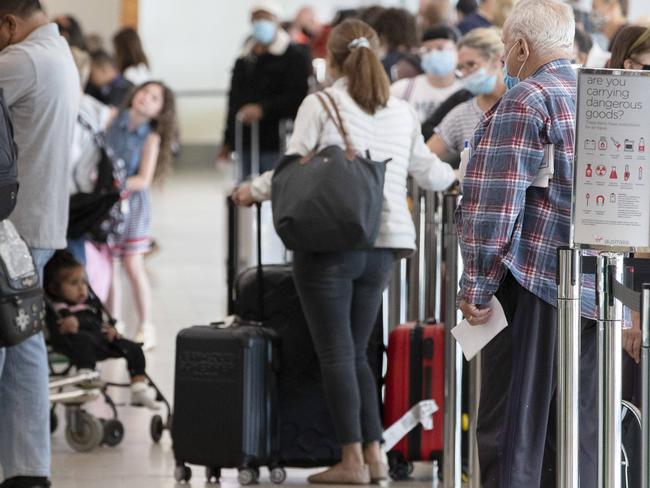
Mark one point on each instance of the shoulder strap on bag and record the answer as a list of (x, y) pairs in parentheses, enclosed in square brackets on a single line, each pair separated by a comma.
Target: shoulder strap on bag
[(337, 120), (98, 137), (410, 88)]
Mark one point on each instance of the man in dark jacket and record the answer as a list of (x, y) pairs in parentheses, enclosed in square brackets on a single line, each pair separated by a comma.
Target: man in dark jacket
[(269, 82)]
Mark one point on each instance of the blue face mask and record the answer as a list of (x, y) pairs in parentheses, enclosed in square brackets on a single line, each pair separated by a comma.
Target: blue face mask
[(439, 63), (480, 83), (264, 31), (509, 80)]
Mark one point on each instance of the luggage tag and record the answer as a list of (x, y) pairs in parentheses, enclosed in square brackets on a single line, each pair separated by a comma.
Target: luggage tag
[(547, 169)]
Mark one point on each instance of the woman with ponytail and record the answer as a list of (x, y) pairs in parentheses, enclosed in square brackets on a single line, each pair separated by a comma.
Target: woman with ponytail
[(341, 293)]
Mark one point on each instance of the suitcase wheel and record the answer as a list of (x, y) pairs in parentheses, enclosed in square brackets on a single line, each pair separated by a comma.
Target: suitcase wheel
[(399, 468), (212, 475), (278, 476), (248, 476), (182, 473)]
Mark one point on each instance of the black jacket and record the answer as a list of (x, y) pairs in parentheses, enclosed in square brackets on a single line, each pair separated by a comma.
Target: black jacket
[(278, 83)]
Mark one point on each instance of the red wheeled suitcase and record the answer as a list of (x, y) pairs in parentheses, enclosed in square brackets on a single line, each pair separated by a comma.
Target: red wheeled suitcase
[(416, 363)]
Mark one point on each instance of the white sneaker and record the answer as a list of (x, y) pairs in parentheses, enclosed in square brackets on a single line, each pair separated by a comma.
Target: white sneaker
[(139, 336), (140, 397), (149, 336), (120, 327)]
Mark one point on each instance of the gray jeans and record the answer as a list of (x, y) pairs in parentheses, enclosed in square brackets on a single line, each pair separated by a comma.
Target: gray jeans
[(341, 296)]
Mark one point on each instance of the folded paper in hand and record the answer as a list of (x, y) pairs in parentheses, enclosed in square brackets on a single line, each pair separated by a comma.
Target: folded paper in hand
[(473, 338)]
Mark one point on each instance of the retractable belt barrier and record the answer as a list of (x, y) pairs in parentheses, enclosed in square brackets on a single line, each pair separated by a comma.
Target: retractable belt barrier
[(425, 286)]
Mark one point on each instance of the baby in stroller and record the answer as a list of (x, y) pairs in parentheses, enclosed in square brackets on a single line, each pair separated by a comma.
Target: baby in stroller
[(80, 329)]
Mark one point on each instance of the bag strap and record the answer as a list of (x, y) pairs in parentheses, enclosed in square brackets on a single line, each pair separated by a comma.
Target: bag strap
[(337, 120), (98, 137), (410, 87)]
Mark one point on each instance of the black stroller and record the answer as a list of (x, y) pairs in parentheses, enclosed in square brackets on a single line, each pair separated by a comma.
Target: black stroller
[(84, 431)]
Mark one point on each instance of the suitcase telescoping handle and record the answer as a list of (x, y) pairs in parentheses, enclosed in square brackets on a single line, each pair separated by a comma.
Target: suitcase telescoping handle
[(232, 271), (254, 149)]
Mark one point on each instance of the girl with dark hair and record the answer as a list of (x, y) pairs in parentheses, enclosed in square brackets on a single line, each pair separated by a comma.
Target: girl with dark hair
[(341, 292), (130, 57), (141, 135)]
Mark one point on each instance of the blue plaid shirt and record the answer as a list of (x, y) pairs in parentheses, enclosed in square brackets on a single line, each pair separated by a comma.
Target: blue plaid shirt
[(504, 223)]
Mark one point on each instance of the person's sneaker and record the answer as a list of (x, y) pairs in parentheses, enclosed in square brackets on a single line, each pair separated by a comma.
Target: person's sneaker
[(139, 336), (140, 396), (120, 327), (26, 482), (148, 335)]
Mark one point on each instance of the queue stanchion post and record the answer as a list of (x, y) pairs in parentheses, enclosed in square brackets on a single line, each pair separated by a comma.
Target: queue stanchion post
[(432, 255), (413, 262), (474, 467), (610, 324), (569, 269), (452, 463), (645, 387)]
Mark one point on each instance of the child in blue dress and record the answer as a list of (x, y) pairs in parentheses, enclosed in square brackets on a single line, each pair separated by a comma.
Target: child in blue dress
[(142, 135)]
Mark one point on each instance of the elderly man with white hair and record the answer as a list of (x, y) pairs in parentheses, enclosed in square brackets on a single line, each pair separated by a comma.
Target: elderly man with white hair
[(515, 213)]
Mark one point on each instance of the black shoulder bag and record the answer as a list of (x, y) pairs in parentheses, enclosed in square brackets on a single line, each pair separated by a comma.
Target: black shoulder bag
[(331, 199)]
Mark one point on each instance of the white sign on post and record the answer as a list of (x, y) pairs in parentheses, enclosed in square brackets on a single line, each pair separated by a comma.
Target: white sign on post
[(611, 194)]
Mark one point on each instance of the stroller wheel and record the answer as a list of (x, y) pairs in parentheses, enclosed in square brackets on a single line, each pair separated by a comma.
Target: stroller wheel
[(54, 421), (113, 432), (85, 433), (156, 428)]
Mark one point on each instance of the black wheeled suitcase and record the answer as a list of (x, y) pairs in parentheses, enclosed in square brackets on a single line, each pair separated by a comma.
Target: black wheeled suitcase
[(306, 432), (225, 398)]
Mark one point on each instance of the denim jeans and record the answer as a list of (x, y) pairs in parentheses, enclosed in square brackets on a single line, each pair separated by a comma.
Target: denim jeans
[(341, 296), (24, 402), (77, 247)]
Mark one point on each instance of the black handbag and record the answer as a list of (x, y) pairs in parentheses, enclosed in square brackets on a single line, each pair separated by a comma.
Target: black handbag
[(22, 308), (329, 200)]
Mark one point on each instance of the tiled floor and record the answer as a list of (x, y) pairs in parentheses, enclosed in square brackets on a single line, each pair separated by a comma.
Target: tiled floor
[(188, 276)]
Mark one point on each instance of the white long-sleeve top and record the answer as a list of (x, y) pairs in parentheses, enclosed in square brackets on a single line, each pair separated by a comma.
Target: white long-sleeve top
[(391, 133)]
